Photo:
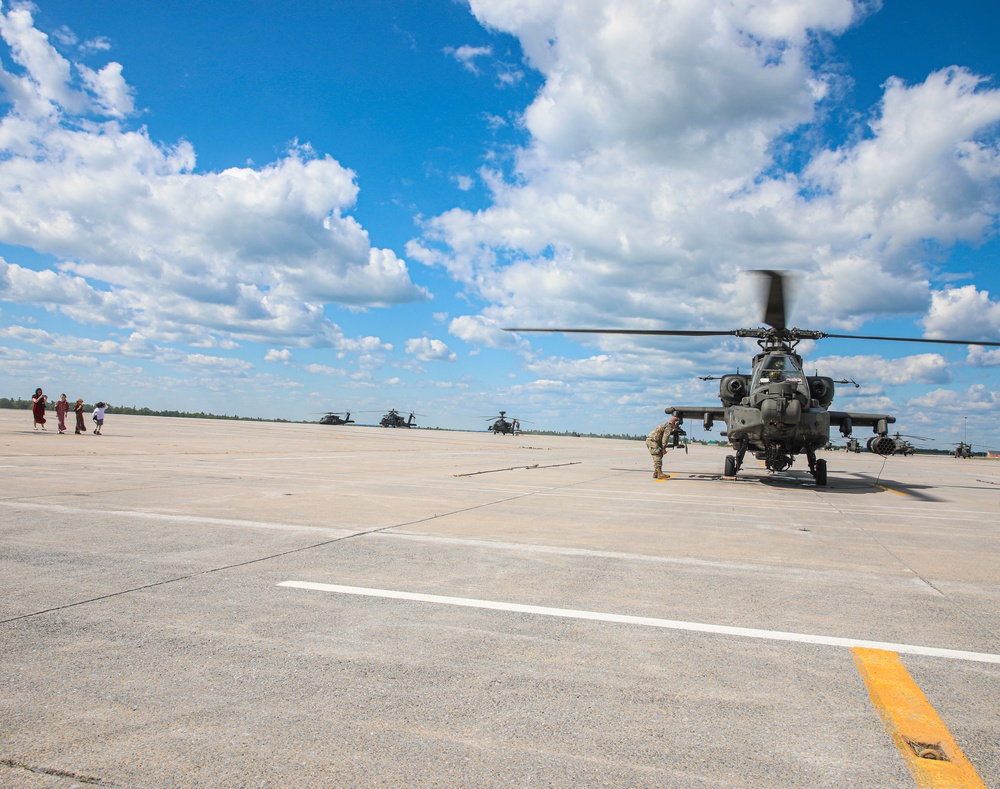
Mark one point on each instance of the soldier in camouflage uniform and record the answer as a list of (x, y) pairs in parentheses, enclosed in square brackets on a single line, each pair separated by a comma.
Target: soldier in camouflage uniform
[(658, 441)]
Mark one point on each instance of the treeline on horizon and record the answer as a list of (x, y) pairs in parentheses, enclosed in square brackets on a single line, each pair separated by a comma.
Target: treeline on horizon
[(19, 403), (575, 434)]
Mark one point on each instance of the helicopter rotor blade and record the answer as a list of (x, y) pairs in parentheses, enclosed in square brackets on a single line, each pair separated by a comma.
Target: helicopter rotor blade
[(648, 332), (794, 333), (775, 316), (774, 312), (909, 339)]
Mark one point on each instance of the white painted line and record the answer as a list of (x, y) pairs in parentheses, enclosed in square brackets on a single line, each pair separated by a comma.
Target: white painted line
[(671, 624), (591, 553), (175, 518), (309, 458)]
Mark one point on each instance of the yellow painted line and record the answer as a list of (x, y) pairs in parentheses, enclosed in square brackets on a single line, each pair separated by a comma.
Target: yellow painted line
[(914, 724), (892, 490)]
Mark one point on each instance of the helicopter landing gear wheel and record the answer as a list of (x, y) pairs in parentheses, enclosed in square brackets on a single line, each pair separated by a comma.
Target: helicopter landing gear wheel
[(820, 473), (730, 467)]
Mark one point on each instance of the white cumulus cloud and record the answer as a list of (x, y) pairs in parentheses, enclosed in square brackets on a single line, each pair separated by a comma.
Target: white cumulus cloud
[(654, 167), (146, 242), (428, 350)]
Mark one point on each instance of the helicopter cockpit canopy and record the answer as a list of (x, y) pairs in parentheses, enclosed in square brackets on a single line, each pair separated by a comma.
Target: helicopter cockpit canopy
[(778, 368)]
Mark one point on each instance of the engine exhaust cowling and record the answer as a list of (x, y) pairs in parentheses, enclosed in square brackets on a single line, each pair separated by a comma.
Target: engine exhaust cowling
[(733, 388), (821, 389)]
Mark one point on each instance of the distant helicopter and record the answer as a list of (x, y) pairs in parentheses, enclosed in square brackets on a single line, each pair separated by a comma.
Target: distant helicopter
[(336, 418), (395, 419), (853, 445), (962, 450), (965, 450), (777, 411), (503, 426)]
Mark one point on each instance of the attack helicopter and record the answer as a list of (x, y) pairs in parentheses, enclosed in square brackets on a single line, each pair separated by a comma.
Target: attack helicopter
[(336, 418), (502, 425), (777, 411), (962, 450), (395, 419), (965, 450)]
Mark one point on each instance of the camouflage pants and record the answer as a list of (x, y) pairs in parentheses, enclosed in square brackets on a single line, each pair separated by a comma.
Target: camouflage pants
[(655, 449)]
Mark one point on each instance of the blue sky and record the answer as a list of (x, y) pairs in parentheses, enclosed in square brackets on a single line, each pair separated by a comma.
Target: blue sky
[(272, 210)]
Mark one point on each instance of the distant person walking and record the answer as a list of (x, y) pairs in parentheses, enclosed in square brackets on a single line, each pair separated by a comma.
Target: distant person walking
[(62, 408), (99, 417), (81, 426), (38, 401), (657, 442)]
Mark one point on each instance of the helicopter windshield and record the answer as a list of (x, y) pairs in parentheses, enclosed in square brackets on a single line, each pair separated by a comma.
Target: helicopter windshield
[(775, 368)]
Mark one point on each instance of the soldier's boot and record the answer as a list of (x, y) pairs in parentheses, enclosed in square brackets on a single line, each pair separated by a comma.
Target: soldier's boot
[(657, 469)]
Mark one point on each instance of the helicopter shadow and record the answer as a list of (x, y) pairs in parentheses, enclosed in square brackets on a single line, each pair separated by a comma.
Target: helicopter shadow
[(919, 492), (858, 484), (853, 485)]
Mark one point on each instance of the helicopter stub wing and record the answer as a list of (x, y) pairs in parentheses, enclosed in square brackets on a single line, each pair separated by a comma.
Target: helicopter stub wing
[(706, 413), (855, 419)]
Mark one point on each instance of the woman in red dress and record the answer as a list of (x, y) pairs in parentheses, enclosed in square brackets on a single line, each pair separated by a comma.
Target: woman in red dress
[(62, 408), (38, 401), (81, 426)]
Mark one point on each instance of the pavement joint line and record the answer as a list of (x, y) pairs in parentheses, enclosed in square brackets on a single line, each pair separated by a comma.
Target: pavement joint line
[(516, 468), (491, 544), (930, 752), (210, 570), (669, 624), (874, 537), (183, 518), (689, 561), (164, 516)]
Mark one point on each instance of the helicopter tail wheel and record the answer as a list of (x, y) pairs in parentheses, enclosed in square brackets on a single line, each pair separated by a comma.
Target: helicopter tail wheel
[(730, 468), (820, 473)]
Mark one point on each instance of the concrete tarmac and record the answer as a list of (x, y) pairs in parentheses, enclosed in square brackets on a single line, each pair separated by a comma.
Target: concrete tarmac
[(209, 603)]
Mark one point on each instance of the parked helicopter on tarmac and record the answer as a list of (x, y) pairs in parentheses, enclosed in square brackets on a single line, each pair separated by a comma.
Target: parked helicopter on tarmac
[(395, 419), (965, 450), (336, 418), (962, 450), (777, 411), (502, 425)]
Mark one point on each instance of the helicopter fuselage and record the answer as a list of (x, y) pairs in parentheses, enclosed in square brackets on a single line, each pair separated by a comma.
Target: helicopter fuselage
[(777, 412), (783, 412), (395, 419), (336, 419)]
